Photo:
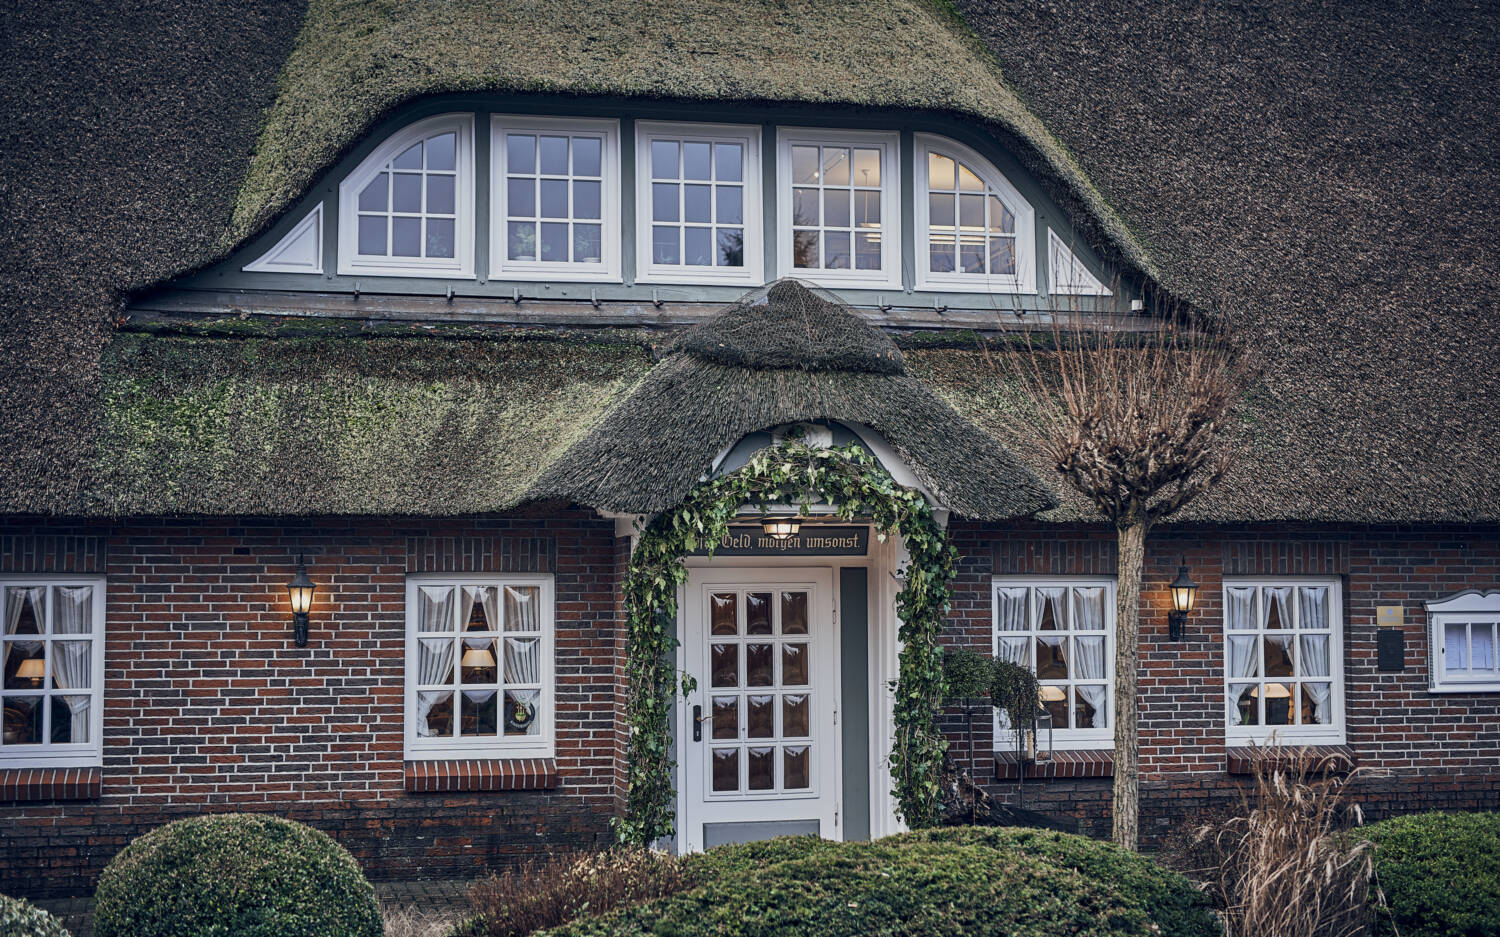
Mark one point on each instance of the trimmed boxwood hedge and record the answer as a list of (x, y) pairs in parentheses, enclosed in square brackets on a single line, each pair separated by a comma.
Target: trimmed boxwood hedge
[(235, 875), (20, 918), (979, 882), (1440, 873)]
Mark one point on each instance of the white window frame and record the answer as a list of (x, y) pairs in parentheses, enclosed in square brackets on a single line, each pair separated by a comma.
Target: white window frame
[(1332, 733), (609, 266), (1063, 739), (747, 136), (461, 264), (889, 274), (1024, 279), (1472, 608), (541, 745), (72, 754)]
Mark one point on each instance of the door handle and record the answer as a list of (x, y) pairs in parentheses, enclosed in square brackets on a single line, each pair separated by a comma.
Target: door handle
[(697, 723)]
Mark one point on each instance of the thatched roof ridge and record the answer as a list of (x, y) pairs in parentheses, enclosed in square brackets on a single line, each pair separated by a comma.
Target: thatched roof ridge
[(787, 325)]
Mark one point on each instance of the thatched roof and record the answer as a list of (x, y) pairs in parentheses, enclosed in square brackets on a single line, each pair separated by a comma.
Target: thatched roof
[(1346, 224), (342, 425), (787, 325), (782, 356)]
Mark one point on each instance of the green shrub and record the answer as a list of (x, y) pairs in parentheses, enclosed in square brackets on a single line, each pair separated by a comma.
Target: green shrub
[(1440, 873), (23, 919), (235, 875), (971, 881)]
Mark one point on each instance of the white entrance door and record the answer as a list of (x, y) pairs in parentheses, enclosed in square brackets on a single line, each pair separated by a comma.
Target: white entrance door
[(758, 737)]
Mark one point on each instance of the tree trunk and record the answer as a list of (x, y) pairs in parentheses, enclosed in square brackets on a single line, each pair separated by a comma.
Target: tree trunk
[(1132, 540)]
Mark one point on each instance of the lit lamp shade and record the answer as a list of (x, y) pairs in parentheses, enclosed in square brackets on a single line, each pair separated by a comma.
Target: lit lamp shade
[(1052, 694), (33, 668), (477, 658), (1274, 691), (781, 528)]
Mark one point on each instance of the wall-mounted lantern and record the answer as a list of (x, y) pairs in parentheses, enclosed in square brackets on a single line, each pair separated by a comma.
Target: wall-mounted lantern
[(300, 591), (1184, 596), (780, 528)]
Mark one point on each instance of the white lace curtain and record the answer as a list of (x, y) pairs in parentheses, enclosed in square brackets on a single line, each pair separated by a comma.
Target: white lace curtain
[(435, 658), (1238, 616), (521, 609), (70, 659), (16, 601), (1089, 650), (1313, 606)]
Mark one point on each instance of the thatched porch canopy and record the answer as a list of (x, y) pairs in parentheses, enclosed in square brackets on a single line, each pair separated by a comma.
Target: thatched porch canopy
[(783, 355)]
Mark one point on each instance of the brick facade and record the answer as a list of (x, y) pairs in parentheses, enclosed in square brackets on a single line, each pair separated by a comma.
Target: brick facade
[(1415, 750), (209, 706)]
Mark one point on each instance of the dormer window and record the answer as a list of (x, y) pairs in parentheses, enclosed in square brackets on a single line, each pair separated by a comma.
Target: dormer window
[(974, 230), (840, 211), (408, 210), (555, 199), (642, 208), (698, 203)]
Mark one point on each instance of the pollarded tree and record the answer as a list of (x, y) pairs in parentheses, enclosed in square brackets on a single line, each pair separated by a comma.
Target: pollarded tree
[(1131, 412)]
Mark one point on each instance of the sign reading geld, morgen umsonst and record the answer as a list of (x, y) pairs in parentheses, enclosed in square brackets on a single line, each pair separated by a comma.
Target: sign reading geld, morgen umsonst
[(811, 540)]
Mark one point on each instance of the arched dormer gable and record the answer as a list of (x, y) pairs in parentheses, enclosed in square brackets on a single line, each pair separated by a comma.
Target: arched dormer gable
[(935, 226)]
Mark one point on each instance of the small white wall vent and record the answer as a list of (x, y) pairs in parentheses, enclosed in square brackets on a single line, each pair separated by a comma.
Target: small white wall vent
[(1067, 273), (299, 251)]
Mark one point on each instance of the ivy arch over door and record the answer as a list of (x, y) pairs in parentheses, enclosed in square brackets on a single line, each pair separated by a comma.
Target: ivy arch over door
[(857, 487)]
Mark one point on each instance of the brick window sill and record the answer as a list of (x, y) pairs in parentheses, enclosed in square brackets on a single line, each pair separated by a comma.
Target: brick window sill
[(474, 774), (1062, 764), (1326, 759), (33, 784)]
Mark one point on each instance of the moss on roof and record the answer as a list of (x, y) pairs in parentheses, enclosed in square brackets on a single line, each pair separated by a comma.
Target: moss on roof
[(648, 452), (330, 426), (356, 60)]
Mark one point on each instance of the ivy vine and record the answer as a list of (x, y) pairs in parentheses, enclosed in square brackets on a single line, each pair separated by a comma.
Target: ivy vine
[(856, 486)]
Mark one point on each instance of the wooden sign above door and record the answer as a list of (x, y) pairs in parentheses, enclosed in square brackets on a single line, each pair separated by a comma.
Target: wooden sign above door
[(811, 540)]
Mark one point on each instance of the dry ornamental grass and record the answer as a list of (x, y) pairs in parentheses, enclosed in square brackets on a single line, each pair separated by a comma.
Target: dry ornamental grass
[(1287, 866), (550, 892)]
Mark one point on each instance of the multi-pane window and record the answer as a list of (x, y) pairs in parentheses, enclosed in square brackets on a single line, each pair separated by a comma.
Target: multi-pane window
[(51, 655), (760, 691), (555, 198), (969, 230), (841, 221), (973, 227), (698, 203), (1063, 629), (409, 208), (479, 666), (1282, 661), (559, 191), (1465, 634)]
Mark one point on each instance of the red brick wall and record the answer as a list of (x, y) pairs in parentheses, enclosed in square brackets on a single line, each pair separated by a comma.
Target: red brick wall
[(209, 706), (1417, 750)]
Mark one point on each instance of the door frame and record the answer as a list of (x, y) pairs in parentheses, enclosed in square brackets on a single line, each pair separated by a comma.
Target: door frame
[(753, 571)]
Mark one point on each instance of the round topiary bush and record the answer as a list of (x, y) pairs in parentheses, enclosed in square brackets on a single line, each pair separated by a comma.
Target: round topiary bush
[(23, 919), (977, 882), (1440, 873), (235, 875)]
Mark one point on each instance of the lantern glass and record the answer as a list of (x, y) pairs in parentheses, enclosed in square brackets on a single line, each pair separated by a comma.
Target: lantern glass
[(300, 591), (1184, 591), (781, 528)]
